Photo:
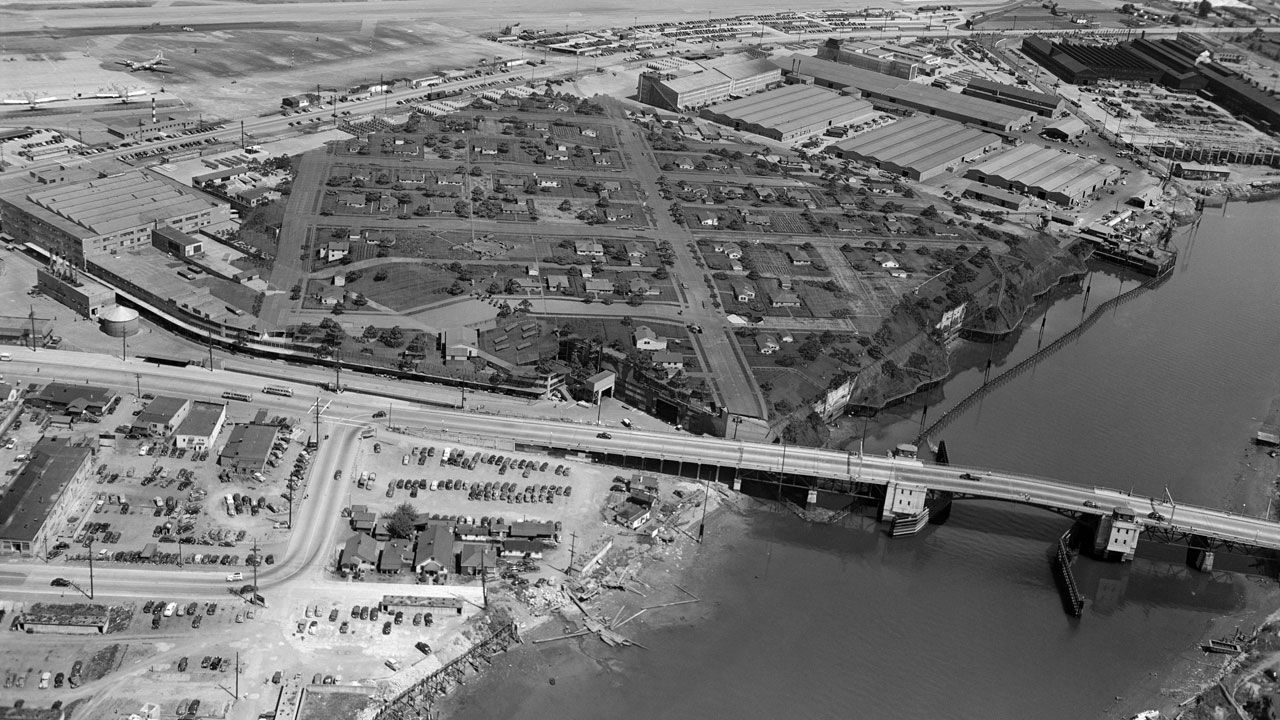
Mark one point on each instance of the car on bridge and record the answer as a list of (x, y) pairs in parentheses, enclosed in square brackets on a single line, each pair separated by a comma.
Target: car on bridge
[(1155, 516), (604, 436), (1090, 504), (970, 476), (60, 582)]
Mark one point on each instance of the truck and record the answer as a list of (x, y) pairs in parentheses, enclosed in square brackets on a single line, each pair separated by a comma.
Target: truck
[(44, 680), (159, 502), (231, 506)]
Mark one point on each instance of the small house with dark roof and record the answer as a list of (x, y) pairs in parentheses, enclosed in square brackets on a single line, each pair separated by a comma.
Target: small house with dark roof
[(360, 552), (396, 558)]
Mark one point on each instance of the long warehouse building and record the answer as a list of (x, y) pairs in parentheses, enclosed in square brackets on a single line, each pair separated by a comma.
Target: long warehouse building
[(1061, 177), (790, 112), (919, 148), (883, 89)]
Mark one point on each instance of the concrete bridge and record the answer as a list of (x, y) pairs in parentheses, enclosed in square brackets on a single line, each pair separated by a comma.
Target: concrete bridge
[(908, 485)]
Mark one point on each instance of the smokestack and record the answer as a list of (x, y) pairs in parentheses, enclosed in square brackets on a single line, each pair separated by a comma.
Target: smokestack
[(153, 109)]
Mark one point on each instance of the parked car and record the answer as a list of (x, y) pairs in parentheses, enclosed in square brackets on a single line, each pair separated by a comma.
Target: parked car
[(386, 628)]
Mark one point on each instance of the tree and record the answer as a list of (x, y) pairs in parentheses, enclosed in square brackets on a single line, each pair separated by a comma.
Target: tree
[(401, 521), (1204, 8)]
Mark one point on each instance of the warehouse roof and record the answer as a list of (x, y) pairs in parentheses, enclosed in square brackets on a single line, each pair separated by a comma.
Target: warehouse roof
[(1013, 91), (160, 411), (118, 202), (966, 106), (840, 74), (792, 107), (920, 142), (1047, 169), (249, 444), (202, 420), (35, 491), (1069, 126)]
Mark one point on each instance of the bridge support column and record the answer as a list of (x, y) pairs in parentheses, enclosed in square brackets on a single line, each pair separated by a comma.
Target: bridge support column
[(1199, 556), (902, 499), (737, 483), (811, 499)]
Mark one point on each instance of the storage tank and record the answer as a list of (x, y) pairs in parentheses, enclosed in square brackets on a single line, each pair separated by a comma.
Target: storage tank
[(119, 321)]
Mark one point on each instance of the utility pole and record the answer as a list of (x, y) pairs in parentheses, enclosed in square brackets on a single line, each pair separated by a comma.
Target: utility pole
[(706, 498), (256, 560), (463, 405), (124, 347), (317, 435), (237, 674), (33, 328), (573, 543), (90, 567), (138, 380), (210, 339), (388, 415)]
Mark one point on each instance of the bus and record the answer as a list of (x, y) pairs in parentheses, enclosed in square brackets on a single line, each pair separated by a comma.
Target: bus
[(273, 390), (234, 395)]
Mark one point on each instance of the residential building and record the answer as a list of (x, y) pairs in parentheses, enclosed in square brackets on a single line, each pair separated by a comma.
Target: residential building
[(434, 554), (743, 291), (766, 344), (885, 259), (396, 557), (646, 339), (359, 553), (783, 298), (588, 248)]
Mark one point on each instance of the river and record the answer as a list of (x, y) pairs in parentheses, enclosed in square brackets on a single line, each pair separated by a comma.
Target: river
[(963, 621)]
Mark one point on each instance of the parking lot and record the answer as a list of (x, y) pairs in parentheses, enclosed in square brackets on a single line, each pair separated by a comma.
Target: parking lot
[(148, 502)]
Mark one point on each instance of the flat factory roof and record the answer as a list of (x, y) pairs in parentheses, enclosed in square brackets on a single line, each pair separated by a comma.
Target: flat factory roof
[(119, 202), (840, 74), (36, 489)]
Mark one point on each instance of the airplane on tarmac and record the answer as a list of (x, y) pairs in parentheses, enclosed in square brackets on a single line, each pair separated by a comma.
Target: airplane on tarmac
[(155, 64)]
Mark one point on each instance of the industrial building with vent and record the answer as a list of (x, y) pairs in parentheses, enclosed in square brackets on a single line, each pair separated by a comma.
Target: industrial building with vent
[(887, 91), (707, 82), (920, 148), (791, 112), (1060, 177), (103, 215), (1083, 64), (1044, 104)]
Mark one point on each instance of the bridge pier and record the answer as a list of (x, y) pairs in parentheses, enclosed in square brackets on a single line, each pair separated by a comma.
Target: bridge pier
[(1199, 556), (903, 499), (1116, 535)]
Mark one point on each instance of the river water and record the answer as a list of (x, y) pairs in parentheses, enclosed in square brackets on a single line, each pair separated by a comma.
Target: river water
[(964, 621)]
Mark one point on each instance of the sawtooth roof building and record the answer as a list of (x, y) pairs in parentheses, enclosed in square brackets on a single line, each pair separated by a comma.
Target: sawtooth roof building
[(790, 112), (707, 82), (919, 148), (1061, 177), (105, 214)]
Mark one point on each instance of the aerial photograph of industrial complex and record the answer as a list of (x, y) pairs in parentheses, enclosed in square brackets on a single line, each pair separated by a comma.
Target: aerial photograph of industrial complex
[(392, 360)]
